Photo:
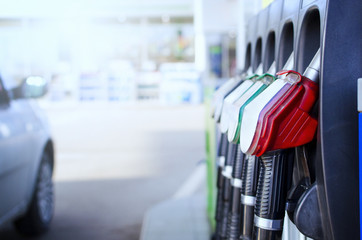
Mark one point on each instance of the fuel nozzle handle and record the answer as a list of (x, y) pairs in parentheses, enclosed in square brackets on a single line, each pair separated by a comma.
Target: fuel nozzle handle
[(233, 224), (222, 155), (248, 193), (275, 168), (274, 175), (226, 190), (312, 71)]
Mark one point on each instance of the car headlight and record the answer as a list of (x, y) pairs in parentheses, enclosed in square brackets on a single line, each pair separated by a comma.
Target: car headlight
[(238, 107), (230, 99)]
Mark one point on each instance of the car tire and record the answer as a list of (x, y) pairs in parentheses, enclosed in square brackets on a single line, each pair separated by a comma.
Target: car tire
[(40, 212)]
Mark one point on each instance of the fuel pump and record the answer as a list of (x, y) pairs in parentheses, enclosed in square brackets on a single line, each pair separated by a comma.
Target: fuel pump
[(227, 179), (250, 172), (234, 96), (221, 93), (236, 109), (217, 106), (233, 221), (222, 155), (278, 118), (260, 83), (226, 189), (274, 122)]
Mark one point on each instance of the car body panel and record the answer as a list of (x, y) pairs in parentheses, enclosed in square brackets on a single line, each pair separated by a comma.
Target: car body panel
[(23, 137)]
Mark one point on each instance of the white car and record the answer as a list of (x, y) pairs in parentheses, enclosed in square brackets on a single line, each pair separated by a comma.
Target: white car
[(26, 159)]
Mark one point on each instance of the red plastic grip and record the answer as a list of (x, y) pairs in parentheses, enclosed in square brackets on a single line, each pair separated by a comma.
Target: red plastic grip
[(285, 121)]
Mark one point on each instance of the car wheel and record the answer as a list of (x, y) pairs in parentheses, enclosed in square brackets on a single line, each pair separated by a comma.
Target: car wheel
[(40, 211)]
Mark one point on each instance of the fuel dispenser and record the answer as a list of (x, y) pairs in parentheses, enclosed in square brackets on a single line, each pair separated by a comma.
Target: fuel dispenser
[(250, 170), (227, 173), (230, 215), (276, 136), (216, 109), (233, 221), (223, 92), (228, 176), (225, 189), (277, 120), (234, 113), (225, 150), (244, 172)]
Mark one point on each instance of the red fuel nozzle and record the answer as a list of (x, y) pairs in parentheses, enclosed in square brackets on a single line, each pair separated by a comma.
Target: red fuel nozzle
[(283, 119), (285, 122)]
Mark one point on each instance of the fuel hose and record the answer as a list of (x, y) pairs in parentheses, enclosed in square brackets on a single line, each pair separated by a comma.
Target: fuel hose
[(248, 193), (222, 154), (226, 189), (233, 231)]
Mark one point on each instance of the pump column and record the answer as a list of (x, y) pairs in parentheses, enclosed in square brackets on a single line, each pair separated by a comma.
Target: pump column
[(359, 106)]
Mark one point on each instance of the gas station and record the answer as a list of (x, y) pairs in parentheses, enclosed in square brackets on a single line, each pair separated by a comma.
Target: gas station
[(196, 119)]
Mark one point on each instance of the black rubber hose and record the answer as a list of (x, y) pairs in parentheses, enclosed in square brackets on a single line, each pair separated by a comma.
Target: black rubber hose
[(227, 174), (222, 152), (222, 155), (233, 227), (248, 192), (271, 194)]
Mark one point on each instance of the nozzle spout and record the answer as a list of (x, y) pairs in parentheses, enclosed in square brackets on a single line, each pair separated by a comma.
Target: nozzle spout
[(259, 69), (290, 62), (272, 69), (312, 71), (249, 71)]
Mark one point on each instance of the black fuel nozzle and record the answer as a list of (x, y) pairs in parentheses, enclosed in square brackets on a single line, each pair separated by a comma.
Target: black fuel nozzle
[(276, 165), (271, 194), (233, 224), (248, 193), (222, 155), (221, 225)]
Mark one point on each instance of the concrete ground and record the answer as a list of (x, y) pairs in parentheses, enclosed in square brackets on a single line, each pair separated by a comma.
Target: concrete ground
[(114, 162), (177, 219)]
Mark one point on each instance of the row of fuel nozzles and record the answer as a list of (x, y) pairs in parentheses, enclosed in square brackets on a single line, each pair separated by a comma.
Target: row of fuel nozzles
[(268, 112), (260, 115)]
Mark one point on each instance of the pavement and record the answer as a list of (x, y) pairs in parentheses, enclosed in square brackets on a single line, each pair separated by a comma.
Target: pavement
[(115, 162), (177, 219), (182, 217)]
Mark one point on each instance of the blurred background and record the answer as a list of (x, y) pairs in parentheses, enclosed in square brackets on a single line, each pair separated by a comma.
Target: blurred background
[(127, 86)]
